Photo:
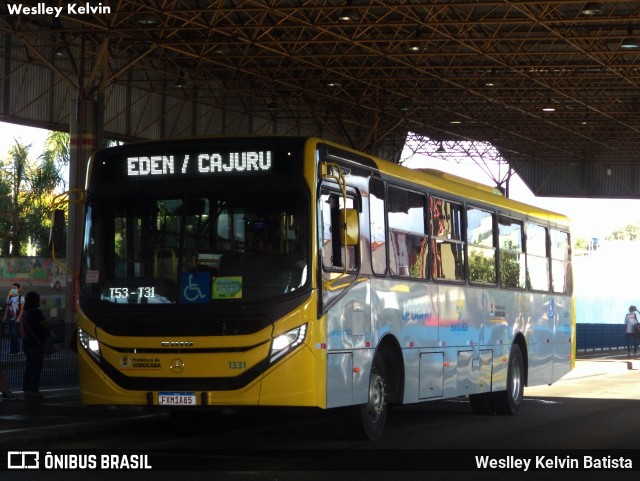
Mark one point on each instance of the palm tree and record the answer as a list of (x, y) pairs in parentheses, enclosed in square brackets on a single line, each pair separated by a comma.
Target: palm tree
[(13, 203), (26, 192), (44, 180)]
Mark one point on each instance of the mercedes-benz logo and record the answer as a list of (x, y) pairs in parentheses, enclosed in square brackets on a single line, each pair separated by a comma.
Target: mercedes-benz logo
[(177, 366)]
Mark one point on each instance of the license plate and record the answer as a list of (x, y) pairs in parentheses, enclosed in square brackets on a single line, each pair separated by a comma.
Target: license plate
[(177, 399)]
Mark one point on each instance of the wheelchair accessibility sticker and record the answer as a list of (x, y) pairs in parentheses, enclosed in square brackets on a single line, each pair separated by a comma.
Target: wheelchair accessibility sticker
[(195, 287)]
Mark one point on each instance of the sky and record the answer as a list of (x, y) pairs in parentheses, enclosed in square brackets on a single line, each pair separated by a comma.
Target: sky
[(611, 214), (9, 133)]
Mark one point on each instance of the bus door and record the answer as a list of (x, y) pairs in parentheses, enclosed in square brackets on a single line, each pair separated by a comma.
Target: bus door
[(345, 301)]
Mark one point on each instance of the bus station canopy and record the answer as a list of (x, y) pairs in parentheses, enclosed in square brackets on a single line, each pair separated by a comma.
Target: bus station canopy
[(553, 85)]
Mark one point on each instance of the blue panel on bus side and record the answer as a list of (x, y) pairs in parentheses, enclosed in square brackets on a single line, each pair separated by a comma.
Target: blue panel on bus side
[(462, 313), (431, 375), (339, 379), (406, 309), (474, 369), (538, 329), (563, 341), (349, 320)]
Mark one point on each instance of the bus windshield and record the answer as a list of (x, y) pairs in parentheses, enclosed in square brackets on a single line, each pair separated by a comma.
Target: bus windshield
[(231, 244)]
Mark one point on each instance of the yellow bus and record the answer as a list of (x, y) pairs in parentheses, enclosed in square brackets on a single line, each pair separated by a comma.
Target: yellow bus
[(277, 271)]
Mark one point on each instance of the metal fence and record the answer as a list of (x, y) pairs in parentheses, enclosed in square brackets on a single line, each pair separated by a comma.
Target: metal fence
[(600, 337), (60, 368)]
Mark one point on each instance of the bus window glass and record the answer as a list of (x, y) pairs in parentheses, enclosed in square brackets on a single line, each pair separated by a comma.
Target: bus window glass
[(481, 245), (407, 240), (447, 246), (197, 227), (238, 245), (537, 257), (378, 236), (560, 262), (120, 246), (512, 265), (166, 238), (333, 252)]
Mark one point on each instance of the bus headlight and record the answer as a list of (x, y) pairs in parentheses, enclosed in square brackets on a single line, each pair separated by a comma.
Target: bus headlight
[(288, 341), (89, 343)]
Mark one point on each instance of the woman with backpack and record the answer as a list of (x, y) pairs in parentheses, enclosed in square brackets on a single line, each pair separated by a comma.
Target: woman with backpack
[(631, 330), (12, 314)]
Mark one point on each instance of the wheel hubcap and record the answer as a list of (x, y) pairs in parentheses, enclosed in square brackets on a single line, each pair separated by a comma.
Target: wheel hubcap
[(516, 381), (377, 397)]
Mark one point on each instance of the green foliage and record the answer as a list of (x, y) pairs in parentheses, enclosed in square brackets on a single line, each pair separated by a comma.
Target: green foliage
[(13, 179), (510, 269), (581, 244), (629, 232), (27, 187), (482, 268)]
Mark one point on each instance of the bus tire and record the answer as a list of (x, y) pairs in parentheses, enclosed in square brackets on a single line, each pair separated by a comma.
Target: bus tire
[(509, 401), (367, 421)]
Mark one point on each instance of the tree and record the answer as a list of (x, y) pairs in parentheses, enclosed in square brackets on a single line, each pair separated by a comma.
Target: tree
[(581, 244), (27, 189), (5, 212), (13, 203), (628, 232)]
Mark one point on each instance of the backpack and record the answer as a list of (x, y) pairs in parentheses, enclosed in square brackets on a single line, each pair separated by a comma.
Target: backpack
[(11, 308)]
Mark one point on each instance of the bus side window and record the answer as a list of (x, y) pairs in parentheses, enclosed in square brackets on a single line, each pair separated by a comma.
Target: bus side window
[(481, 246), (447, 244), (378, 230), (332, 216), (561, 277), (512, 264), (408, 247), (537, 257)]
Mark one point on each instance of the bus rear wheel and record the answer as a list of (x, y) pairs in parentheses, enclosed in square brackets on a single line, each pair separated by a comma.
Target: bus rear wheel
[(367, 421), (510, 400)]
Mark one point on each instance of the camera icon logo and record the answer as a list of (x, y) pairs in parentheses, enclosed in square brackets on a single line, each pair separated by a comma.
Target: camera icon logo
[(23, 460)]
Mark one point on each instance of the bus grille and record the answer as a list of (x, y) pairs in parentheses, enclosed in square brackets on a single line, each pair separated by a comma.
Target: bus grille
[(187, 327), (184, 384)]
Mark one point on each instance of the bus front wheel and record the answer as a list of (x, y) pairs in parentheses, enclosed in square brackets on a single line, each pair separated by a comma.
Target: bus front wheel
[(366, 421)]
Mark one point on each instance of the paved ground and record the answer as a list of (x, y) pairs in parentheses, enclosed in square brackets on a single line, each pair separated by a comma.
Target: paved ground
[(60, 413)]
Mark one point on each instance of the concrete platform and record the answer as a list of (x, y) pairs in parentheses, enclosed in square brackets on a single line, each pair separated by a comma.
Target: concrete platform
[(25, 422)]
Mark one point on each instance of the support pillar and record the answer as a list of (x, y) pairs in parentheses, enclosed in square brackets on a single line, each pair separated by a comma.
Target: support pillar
[(84, 132)]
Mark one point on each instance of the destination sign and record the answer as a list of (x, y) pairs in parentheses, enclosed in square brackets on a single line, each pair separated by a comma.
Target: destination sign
[(216, 163)]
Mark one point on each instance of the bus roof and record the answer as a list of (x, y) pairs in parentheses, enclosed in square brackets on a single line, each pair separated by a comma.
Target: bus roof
[(461, 187), (431, 178)]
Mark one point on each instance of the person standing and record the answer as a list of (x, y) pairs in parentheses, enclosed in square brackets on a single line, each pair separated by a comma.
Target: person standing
[(631, 330), (4, 388), (12, 314), (36, 332)]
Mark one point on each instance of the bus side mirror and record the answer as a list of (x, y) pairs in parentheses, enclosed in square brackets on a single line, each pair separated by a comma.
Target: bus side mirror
[(350, 231), (56, 234)]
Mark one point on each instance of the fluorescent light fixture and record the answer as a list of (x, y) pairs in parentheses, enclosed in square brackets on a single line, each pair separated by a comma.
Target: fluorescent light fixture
[(630, 41), (591, 8), (350, 13), (147, 19)]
